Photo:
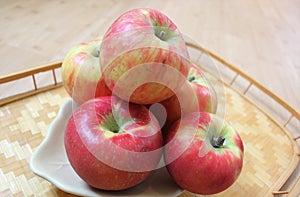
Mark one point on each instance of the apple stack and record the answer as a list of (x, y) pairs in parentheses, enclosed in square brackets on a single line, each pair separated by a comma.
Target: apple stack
[(114, 140)]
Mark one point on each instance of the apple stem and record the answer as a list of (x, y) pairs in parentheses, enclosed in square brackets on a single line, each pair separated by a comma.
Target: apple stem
[(217, 142), (162, 34), (191, 79)]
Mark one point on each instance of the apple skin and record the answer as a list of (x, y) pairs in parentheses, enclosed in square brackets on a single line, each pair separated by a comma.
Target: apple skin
[(143, 37), (99, 154), (81, 73), (202, 168), (204, 98)]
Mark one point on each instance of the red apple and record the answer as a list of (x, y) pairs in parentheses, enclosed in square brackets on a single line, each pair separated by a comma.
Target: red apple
[(206, 159), (203, 100), (143, 56), (111, 144), (81, 73)]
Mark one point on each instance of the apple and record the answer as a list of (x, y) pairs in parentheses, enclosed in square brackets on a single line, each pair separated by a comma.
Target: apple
[(205, 99), (112, 144), (81, 73), (206, 159), (143, 56)]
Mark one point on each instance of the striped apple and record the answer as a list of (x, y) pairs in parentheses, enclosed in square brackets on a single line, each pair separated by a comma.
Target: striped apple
[(81, 73), (182, 103), (212, 159), (142, 38)]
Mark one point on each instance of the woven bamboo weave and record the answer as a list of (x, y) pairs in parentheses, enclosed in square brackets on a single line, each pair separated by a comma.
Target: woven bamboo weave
[(24, 124)]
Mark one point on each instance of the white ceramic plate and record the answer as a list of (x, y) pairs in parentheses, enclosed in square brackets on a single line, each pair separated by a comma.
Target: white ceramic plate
[(50, 162)]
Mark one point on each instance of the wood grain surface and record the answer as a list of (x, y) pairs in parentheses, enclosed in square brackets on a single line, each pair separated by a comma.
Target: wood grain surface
[(261, 37)]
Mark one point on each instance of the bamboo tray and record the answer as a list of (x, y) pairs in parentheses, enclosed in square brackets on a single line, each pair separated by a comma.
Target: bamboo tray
[(271, 150)]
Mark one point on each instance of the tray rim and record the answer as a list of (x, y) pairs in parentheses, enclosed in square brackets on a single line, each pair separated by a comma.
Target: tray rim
[(294, 114)]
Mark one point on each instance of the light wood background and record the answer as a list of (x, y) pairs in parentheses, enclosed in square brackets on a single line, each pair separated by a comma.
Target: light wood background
[(261, 37)]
